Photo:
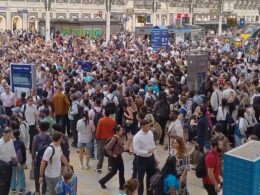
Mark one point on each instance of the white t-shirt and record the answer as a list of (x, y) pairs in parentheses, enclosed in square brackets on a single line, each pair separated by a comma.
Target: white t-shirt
[(29, 113), (53, 168)]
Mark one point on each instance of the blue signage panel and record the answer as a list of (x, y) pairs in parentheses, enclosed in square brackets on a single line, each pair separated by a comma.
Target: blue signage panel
[(159, 38), (242, 22), (21, 76), (156, 39), (165, 38)]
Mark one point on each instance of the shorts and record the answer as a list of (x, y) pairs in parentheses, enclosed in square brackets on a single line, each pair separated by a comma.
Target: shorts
[(51, 183), (88, 145)]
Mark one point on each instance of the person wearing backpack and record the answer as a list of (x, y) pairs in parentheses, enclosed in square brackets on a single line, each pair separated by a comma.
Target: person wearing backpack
[(161, 112), (30, 114), (241, 127), (18, 177), (40, 142), (96, 113), (211, 180), (111, 102), (24, 131), (86, 130), (169, 173), (74, 116), (51, 163), (114, 149)]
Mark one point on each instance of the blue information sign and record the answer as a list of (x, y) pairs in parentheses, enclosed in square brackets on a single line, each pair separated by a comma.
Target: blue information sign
[(159, 38), (242, 22), (22, 77)]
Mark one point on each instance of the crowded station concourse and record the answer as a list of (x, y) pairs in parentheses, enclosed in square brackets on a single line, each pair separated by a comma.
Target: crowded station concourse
[(100, 108)]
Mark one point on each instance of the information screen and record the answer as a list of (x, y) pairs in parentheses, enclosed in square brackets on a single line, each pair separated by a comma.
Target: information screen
[(21, 79)]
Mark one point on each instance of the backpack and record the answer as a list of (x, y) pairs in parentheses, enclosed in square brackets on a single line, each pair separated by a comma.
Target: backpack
[(98, 115), (111, 105), (201, 171), (113, 147), (156, 183), (59, 188), (19, 152), (80, 111), (42, 146), (237, 130)]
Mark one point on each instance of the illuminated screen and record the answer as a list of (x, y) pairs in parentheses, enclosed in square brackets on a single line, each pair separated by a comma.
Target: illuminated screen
[(21, 79)]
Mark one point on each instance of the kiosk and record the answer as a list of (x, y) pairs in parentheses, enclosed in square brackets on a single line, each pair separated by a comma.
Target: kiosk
[(23, 78)]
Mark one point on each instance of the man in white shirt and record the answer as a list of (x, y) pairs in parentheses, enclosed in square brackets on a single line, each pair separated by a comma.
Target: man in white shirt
[(144, 148), (7, 155), (53, 156), (8, 99), (29, 113)]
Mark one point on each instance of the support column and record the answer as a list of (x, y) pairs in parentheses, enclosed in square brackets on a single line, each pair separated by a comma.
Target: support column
[(37, 25), (47, 27), (8, 20), (220, 25), (108, 27), (25, 21), (133, 22)]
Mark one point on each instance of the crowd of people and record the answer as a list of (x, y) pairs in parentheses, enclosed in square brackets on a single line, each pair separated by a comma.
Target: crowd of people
[(108, 98)]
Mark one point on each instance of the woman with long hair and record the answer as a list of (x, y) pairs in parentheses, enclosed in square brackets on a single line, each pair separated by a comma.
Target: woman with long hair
[(161, 111), (170, 181), (86, 130), (182, 162)]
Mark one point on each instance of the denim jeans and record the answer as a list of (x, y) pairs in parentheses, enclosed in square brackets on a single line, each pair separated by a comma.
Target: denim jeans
[(18, 178), (239, 140)]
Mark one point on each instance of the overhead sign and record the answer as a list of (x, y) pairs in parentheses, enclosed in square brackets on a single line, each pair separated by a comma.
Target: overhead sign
[(23, 78), (159, 38)]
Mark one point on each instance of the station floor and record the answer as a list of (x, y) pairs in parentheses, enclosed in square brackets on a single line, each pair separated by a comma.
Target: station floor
[(88, 179)]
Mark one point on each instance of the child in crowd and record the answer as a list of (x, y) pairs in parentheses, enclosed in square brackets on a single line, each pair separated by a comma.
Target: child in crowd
[(63, 187)]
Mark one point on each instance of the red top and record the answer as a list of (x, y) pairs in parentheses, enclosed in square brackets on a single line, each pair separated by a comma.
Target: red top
[(212, 160), (105, 128)]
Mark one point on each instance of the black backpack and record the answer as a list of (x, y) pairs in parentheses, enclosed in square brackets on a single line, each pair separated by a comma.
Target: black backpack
[(42, 146), (111, 106), (98, 115), (80, 111), (156, 183), (201, 171)]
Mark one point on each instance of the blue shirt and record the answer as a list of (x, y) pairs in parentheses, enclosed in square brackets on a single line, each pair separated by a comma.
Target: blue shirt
[(170, 181)]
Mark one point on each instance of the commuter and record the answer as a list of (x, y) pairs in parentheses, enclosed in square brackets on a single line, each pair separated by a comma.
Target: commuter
[(103, 133), (115, 149), (7, 157), (212, 163), (86, 131), (18, 176), (51, 163), (144, 148)]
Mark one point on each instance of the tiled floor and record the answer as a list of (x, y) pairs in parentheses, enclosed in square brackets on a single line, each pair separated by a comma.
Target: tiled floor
[(88, 179)]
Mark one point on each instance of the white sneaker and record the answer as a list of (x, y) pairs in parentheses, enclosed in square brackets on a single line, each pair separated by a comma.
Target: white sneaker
[(81, 166)]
